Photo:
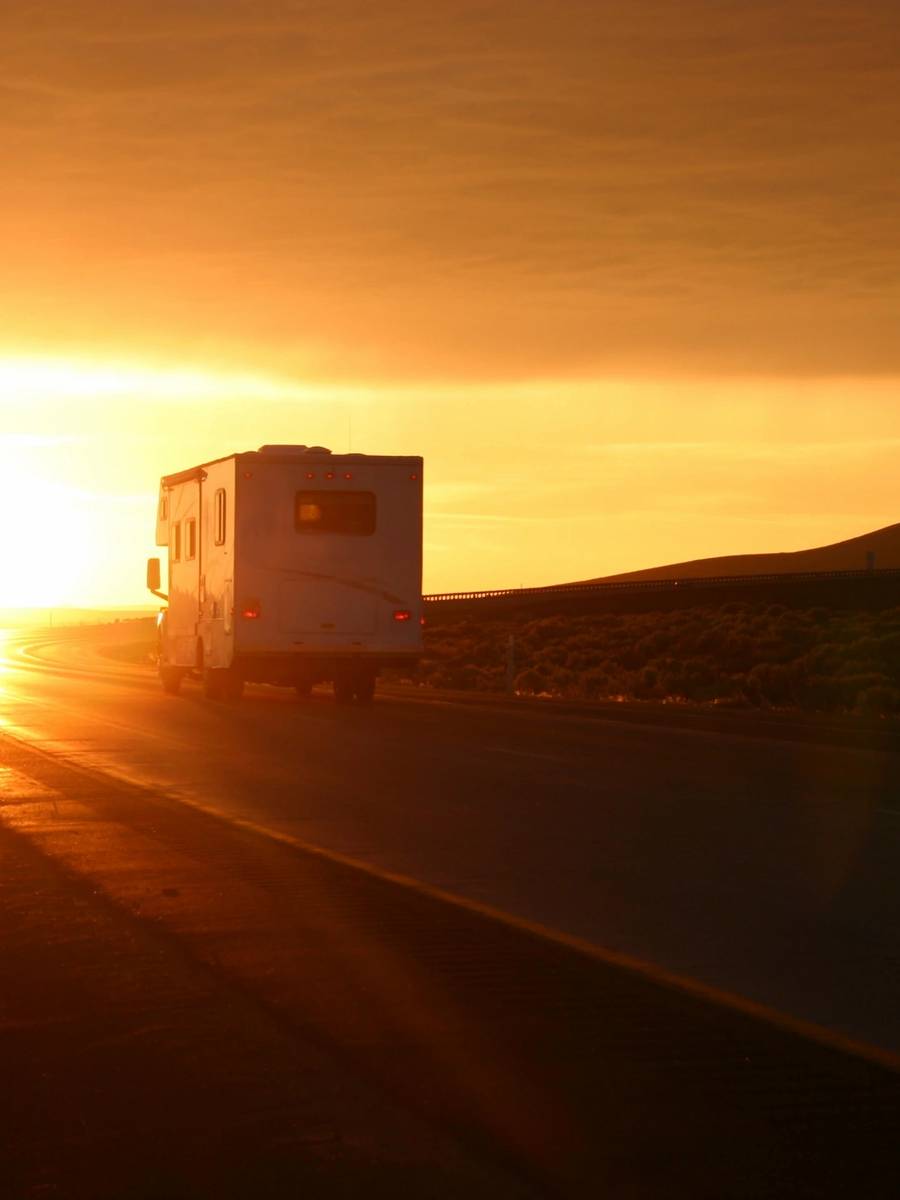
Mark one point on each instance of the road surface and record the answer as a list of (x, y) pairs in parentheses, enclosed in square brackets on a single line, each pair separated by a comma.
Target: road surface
[(656, 907)]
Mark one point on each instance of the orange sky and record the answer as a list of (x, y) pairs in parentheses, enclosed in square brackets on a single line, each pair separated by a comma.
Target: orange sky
[(626, 273)]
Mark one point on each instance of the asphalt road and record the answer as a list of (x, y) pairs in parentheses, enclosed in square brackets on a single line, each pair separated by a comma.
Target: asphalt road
[(704, 862), (761, 866)]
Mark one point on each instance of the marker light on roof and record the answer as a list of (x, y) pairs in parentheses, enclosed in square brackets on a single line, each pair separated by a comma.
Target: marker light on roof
[(348, 474), (329, 474), (402, 614), (310, 474), (414, 477)]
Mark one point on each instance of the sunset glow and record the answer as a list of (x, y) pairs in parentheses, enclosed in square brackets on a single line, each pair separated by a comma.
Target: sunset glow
[(623, 323), (49, 542), (25, 380)]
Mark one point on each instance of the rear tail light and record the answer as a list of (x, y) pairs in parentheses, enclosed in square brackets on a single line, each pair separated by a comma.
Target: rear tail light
[(251, 610), (402, 614)]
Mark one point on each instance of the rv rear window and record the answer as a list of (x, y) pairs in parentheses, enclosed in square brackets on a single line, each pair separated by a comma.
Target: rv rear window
[(335, 512)]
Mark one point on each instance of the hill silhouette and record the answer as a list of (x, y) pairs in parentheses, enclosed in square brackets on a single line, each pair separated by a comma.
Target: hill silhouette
[(850, 555), (825, 648)]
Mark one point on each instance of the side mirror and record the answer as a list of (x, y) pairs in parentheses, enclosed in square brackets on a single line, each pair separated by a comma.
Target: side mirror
[(153, 577)]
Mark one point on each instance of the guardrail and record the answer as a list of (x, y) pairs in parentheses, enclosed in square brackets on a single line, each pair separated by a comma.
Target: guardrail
[(663, 585)]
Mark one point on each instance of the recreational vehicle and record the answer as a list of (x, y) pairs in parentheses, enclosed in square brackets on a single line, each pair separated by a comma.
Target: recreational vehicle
[(290, 565)]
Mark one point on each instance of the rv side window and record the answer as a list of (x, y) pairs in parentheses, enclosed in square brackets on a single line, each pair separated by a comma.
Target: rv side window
[(191, 537), (163, 506), (335, 512), (176, 542), (220, 517)]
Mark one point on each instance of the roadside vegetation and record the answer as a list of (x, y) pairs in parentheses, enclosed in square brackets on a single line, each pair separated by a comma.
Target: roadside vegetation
[(738, 654)]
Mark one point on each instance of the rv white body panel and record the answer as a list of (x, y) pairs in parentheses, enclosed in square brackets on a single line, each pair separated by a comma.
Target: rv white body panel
[(287, 567), (216, 582), (321, 592)]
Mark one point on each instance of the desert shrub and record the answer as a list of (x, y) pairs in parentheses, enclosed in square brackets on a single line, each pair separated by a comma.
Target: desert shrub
[(687, 679), (878, 700), (531, 682), (741, 652), (461, 675), (770, 684)]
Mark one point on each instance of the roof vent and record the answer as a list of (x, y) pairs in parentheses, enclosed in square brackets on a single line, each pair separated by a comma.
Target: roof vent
[(317, 450), (283, 449)]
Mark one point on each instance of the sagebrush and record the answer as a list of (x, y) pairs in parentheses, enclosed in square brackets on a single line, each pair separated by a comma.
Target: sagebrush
[(736, 653)]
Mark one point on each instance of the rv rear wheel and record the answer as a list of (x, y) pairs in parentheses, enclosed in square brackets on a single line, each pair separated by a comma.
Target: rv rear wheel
[(170, 678)]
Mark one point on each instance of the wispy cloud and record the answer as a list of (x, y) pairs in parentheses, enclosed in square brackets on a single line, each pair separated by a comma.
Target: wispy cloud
[(733, 450), (24, 379), (26, 440), (458, 190)]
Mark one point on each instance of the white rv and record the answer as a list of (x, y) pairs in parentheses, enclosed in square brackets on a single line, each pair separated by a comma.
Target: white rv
[(290, 565)]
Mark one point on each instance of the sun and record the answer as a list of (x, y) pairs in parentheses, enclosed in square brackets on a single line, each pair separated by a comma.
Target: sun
[(79, 439), (44, 539)]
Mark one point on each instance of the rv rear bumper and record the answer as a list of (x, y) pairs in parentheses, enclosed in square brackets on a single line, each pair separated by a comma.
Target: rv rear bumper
[(289, 666)]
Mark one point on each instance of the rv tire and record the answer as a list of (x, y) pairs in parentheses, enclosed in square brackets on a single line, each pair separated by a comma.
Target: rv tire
[(170, 678)]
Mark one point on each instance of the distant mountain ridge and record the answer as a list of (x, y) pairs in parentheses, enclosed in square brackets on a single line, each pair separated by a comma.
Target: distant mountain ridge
[(850, 555)]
